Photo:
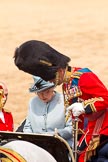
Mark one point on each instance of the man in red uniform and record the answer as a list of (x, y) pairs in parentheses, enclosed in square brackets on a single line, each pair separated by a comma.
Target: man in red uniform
[(6, 119), (82, 89)]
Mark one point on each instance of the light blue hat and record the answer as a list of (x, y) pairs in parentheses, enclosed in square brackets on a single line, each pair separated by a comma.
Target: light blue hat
[(40, 85)]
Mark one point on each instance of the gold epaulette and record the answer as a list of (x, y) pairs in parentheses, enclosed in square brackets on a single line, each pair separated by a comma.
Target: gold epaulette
[(71, 74), (76, 74), (6, 110)]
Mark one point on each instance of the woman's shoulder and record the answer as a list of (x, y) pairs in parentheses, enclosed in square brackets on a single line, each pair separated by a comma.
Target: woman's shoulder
[(33, 99), (59, 97), (59, 94), (36, 101)]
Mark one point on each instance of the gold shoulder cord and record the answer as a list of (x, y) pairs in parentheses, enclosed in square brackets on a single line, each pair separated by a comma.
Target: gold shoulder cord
[(68, 92), (65, 87)]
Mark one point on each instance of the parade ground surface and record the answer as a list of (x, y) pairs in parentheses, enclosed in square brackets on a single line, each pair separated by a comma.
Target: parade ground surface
[(76, 28)]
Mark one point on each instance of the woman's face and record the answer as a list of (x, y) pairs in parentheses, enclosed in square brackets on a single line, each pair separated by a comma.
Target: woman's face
[(3, 94), (46, 95), (3, 98)]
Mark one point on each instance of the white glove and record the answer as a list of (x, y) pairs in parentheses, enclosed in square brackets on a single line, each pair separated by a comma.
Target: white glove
[(77, 109)]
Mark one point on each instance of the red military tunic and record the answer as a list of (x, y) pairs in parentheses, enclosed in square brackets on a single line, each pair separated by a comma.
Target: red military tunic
[(94, 96), (8, 125)]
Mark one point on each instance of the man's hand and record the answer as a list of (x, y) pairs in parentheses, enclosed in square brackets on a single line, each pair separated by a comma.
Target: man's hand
[(77, 109)]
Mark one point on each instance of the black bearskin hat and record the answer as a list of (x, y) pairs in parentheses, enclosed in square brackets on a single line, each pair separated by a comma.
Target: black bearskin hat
[(39, 59)]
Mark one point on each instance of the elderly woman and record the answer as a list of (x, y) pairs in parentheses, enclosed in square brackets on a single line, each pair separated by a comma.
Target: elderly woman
[(46, 111)]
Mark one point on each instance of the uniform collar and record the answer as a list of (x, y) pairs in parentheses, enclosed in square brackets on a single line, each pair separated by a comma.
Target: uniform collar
[(68, 73)]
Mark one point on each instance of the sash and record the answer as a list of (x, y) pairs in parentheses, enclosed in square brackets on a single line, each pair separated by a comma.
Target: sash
[(95, 141)]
